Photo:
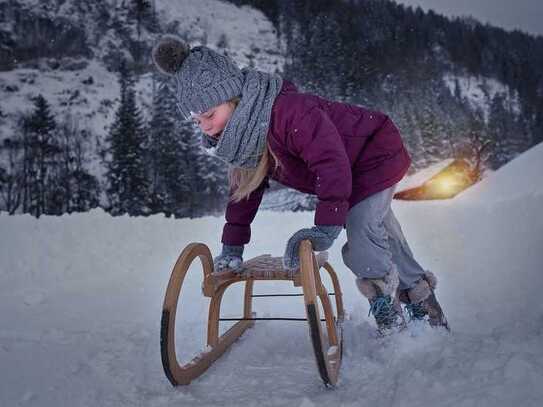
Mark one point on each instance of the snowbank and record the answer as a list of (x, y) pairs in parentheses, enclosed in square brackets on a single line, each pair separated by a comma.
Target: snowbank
[(520, 178)]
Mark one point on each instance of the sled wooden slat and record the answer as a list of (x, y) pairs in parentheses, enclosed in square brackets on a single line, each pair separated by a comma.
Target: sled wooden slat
[(327, 343)]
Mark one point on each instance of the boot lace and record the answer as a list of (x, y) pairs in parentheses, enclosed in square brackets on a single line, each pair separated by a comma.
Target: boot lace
[(415, 311), (383, 311)]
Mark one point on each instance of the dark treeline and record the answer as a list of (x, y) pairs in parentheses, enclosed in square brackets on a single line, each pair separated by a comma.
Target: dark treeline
[(46, 171)]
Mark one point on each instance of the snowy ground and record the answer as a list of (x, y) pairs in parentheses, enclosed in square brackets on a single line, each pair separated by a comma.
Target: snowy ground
[(81, 299)]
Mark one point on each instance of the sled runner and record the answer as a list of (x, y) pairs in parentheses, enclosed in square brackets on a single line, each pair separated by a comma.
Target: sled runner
[(326, 334)]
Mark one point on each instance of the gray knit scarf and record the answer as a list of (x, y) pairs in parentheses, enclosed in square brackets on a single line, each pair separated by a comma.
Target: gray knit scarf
[(243, 140)]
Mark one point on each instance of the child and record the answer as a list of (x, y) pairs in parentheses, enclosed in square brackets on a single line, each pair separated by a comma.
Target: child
[(350, 157)]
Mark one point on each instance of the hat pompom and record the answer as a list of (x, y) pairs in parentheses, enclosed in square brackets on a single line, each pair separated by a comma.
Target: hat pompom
[(169, 53)]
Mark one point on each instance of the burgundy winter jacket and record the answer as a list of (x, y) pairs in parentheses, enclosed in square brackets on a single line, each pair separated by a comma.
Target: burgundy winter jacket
[(342, 153)]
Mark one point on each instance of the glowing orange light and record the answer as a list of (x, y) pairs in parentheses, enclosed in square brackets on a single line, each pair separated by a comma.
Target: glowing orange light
[(447, 184)]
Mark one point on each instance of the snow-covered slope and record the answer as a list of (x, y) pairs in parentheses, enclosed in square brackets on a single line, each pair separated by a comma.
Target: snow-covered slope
[(520, 178), (479, 92), (84, 86), (92, 102), (249, 34), (81, 298)]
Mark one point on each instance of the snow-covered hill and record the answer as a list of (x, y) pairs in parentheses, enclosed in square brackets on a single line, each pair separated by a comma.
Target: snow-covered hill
[(81, 82), (81, 298), (518, 179), (479, 91)]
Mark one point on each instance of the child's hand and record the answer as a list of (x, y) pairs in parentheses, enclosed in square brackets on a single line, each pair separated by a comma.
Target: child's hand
[(322, 237), (230, 258)]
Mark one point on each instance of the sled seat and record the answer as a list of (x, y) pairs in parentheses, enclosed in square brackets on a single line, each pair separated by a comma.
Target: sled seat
[(264, 267)]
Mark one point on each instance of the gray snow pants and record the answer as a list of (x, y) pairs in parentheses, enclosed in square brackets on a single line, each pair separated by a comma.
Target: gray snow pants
[(375, 241)]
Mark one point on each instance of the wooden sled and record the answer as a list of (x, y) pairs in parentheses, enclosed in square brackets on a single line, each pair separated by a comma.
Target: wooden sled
[(327, 341)]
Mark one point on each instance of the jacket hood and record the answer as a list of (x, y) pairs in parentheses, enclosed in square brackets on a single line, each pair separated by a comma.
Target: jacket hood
[(288, 86)]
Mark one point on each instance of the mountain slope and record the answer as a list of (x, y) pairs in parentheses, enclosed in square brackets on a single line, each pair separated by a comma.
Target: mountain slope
[(68, 51)]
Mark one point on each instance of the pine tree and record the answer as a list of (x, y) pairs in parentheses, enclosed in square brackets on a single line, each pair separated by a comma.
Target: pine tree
[(41, 157), (213, 181), (128, 184), (141, 9), (205, 174), (186, 181), (11, 184), (509, 133), (168, 166), (193, 203)]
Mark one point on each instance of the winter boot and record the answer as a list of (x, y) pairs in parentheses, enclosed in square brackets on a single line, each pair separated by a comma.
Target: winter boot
[(422, 302), (382, 294)]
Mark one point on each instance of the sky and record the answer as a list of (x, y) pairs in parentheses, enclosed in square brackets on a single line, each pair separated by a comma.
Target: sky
[(519, 14)]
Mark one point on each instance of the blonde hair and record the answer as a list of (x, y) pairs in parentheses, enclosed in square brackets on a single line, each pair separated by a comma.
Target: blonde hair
[(244, 181)]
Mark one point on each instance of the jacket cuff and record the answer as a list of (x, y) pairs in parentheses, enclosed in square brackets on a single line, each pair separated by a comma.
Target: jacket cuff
[(331, 212), (236, 235)]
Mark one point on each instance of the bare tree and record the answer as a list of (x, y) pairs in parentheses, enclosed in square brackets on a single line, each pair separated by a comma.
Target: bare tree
[(11, 179)]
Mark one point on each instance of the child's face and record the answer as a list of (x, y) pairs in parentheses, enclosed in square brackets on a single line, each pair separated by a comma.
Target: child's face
[(214, 120)]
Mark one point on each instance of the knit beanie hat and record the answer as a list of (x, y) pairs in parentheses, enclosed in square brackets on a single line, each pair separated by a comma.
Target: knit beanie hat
[(207, 78)]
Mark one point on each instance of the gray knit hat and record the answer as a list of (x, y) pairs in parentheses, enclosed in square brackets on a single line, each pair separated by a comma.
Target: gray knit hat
[(205, 78)]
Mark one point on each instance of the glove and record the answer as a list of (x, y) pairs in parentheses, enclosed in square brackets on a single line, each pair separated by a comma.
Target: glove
[(230, 258), (322, 237)]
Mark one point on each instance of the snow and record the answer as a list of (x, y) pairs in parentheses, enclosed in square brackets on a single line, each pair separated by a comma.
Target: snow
[(518, 178), (246, 29), (480, 90), (81, 299), (65, 92)]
